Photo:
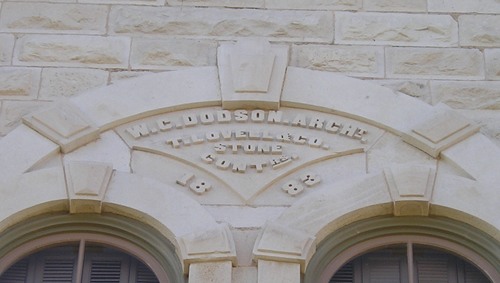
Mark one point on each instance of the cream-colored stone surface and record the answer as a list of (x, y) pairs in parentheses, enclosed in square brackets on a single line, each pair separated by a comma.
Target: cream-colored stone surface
[(12, 112), (122, 75), (488, 120), (223, 23), (109, 148), (72, 51), (479, 30), (464, 6), (492, 58), (210, 272), (121, 2), (391, 150), (395, 29), (53, 18), (64, 82), (149, 95), (434, 63), (354, 98), (245, 274), (218, 3), (19, 83), (156, 204), (31, 195), (314, 4), (6, 48), (171, 54), (349, 60), (395, 5), (415, 88), (278, 272), (244, 240), (467, 95), (244, 216)]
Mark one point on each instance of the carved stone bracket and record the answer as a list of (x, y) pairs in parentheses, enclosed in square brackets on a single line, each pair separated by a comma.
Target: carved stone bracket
[(210, 245), (64, 124), (281, 243), (251, 73), (87, 183), (411, 189), (440, 132)]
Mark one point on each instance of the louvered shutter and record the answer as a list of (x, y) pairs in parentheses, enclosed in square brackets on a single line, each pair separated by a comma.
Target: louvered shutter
[(435, 270), (105, 269), (345, 274), (144, 274), (382, 270), (473, 275), (58, 269), (16, 273)]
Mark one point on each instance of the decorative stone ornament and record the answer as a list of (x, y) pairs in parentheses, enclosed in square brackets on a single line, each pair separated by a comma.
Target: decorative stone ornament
[(87, 183), (251, 73), (215, 244), (440, 132), (64, 124), (411, 189), (280, 243)]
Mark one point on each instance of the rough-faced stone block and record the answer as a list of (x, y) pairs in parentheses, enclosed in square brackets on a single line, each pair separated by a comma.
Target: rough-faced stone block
[(214, 244), (411, 189), (395, 29), (87, 183), (395, 5), (434, 63), (314, 4), (440, 132), (281, 243), (218, 3), (13, 111), (53, 18), (464, 6), (59, 82), (122, 75), (6, 48), (72, 51), (64, 124), (479, 30), (350, 60), (251, 74), (415, 88), (172, 54), (467, 95), (304, 26), (19, 83), (492, 58), (220, 272), (132, 2)]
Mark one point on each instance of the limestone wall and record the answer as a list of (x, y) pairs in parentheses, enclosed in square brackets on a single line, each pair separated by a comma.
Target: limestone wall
[(437, 50)]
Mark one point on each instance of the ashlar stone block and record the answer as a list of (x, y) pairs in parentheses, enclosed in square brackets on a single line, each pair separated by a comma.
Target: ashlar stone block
[(251, 73), (65, 82), (6, 48), (411, 189), (19, 83), (13, 111), (278, 272), (64, 124), (286, 25), (440, 132), (172, 54), (350, 60), (314, 4), (72, 51), (218, 3), (395, 5), (480, 30), (395, 29), (53, 18), (464, 6), (484, 95), (220, 272), (122, 2), (434, 63), (87, 183), (492, 58)]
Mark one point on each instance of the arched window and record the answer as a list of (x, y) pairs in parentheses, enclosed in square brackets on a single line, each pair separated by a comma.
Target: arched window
[(406, 250), (87, 249)]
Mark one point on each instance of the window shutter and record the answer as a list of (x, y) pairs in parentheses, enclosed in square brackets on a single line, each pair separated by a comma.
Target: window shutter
[(383, 270), (106, 271), (473, 275), (58, 270), (16, 273), (344, 275), (433, 270), (144, 274)]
